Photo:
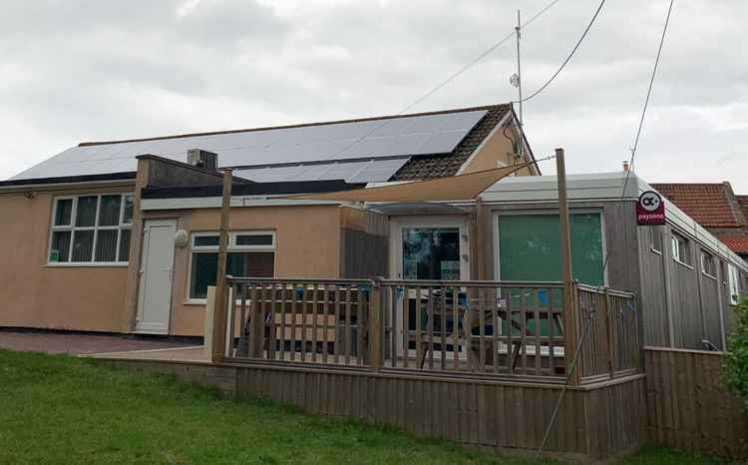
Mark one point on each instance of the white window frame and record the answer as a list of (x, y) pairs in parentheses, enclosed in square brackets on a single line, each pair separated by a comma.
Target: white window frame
[(72, 228), (704, 256), (232, 247), (733, 285), (675, 240)]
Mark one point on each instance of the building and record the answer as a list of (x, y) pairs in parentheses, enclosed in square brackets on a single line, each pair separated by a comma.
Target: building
[(122, 236), (92, 245), (715, 207)]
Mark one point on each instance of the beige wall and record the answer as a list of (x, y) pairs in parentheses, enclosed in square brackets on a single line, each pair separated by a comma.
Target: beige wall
[(33, 294), (307, 245), (497, 148)]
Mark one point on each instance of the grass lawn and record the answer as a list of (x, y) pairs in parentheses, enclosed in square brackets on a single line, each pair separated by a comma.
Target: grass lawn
[(56, 409)]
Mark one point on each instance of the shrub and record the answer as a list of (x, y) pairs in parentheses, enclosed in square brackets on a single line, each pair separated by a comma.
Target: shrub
[(735, 371)]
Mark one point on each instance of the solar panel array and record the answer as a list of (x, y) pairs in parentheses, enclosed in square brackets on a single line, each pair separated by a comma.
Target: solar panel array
[(353, 171), (395, 137)]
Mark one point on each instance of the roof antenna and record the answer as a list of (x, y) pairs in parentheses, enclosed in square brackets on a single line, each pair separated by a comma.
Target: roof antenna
[(516, 79)]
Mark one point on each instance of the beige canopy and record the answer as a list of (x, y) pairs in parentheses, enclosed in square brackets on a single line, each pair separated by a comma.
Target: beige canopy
[(453, 188)]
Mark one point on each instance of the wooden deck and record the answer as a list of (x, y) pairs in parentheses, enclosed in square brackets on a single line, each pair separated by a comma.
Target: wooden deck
[(482, 363)]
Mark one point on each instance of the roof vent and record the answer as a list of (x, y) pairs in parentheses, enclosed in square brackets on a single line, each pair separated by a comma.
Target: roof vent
[(202, 159)]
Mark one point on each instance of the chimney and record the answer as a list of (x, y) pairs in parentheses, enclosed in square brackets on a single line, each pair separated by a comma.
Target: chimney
[(625, 165), (202, 159)]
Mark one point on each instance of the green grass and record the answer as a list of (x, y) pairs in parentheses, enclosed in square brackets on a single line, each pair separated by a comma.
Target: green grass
[(57, 409)]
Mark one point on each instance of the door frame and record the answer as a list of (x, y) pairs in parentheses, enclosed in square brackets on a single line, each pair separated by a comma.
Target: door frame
[(396, 236), (142, 275)]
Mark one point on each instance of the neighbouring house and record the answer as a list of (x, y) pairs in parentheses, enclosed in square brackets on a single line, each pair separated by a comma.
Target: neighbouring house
[(715, 207), (121, 236)]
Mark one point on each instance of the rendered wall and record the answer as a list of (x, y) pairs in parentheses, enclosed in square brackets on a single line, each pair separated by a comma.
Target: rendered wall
[(36, 295), (307, 245)]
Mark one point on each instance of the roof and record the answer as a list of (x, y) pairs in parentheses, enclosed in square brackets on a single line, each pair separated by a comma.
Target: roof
[(414, 146), (738, 243), (708, 204)]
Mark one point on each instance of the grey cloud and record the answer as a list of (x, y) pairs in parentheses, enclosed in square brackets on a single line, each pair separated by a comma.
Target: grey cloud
[(80, 70)]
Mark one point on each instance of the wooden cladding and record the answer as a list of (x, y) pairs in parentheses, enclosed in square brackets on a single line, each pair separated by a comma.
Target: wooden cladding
[(688, 408)]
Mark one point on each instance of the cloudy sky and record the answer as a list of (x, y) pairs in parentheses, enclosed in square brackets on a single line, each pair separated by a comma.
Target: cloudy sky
[(73, 71)]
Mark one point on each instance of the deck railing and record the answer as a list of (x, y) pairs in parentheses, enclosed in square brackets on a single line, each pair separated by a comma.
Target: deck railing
[(610, 318), (466, 328)]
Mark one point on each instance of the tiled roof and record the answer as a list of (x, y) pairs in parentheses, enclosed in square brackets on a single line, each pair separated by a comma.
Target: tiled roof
[(437, 166), (738, 243), (707, 204)]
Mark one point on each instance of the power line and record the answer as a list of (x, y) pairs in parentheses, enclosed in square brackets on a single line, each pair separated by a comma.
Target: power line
[(568, 58), (651, 83), (644, 111), (581, 340), (449, 79), (475, 60)]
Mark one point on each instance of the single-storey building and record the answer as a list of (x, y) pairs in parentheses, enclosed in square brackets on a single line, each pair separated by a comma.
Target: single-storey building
[(123, 236), (91, 247)]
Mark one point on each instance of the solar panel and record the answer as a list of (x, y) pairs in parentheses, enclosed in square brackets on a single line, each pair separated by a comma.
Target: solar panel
[(395, 137), (353, 172)]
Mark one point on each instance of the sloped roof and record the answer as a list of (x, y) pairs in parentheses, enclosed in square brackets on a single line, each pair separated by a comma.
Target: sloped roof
[(708, 204), (738, 243), (416, 146)]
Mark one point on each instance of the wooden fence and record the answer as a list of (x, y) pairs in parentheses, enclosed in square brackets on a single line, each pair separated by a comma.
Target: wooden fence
[(688, 408)]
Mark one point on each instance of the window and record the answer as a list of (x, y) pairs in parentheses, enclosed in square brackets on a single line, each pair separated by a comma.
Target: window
[(530, 250), (656, 239), (708, 265), (733, 285), (431, 253), (91, 229), (250, 254), (679, 246)]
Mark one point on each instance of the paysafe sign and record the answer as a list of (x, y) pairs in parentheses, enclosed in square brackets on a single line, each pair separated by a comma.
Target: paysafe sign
[(650, 209)]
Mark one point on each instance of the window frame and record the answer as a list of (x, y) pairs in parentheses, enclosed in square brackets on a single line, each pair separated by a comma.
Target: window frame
[(703, 256), (733, 283), (680, 258), (655, 246), (72, 228), (231, 247), (547, 211)]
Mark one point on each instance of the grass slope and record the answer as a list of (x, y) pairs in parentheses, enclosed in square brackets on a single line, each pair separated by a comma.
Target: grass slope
[(56, 409)]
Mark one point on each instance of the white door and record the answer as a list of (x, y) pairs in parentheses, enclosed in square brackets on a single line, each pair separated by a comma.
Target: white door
[(156, 270), (427, 248)]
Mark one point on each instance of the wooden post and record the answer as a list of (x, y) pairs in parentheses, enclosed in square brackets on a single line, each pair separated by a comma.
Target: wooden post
[(609, 333), (374, 325), (571, 320), (220, 312)]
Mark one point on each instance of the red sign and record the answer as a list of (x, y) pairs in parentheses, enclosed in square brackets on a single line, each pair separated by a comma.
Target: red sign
[(650, 209)]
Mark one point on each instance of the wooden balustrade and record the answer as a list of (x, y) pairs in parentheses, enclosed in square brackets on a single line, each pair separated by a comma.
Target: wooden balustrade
[(610, 320), (469, 327)]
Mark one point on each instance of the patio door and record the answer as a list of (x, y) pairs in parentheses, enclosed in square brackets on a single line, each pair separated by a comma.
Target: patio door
[(156, 271), (426, 249)]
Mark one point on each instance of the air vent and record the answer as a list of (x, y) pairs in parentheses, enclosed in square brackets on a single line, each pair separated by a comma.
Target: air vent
[(202, 159)]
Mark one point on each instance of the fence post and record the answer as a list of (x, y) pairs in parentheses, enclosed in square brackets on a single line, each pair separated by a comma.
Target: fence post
[(375, 312), (608, 333), (571, 334), (255, 325)]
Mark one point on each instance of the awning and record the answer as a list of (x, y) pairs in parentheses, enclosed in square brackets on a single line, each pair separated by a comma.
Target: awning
[(453, 188)]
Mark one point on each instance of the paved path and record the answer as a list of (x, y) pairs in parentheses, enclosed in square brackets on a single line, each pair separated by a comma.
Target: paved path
[(76, 344)]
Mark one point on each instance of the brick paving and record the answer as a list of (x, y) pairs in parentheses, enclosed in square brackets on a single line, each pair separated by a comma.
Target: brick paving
[(77, 344)]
